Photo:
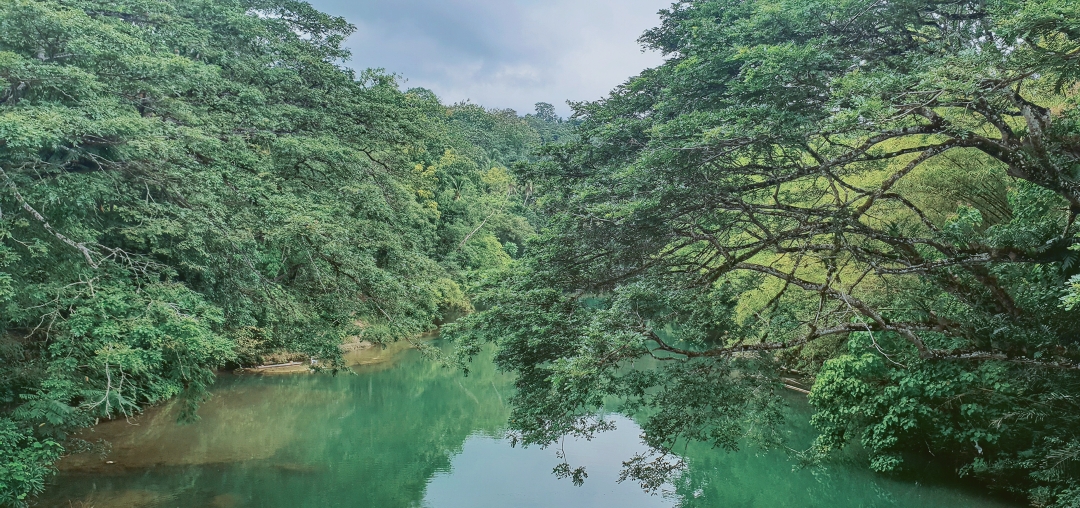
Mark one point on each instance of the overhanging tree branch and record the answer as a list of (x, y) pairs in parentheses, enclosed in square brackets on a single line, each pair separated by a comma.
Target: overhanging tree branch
[(81, 247)]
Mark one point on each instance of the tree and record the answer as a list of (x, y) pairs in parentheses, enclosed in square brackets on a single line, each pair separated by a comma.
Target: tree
[(190, 184), (883, 194)]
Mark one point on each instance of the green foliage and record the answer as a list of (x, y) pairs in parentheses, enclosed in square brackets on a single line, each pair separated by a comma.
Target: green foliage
[(1072, 299), (577, 360), (890, 409), (186, 185), (27, 463), (881, 196)]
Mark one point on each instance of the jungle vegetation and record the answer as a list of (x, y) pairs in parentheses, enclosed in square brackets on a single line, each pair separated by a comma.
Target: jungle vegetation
[(192, 185), (877, 198)]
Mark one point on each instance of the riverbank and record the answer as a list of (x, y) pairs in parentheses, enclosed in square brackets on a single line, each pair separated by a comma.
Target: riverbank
[(405, 432), (117, 446), (353, 354)]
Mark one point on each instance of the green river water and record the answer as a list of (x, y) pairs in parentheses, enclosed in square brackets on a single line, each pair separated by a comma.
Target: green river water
[(404, 432)]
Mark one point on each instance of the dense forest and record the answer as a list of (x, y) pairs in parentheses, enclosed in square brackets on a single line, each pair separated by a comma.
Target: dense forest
[(878, 198), (875, 200), (189, 186)]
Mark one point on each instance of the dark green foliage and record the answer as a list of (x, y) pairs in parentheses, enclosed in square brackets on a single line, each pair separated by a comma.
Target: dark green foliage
[(27, 460), (578, 359), (881, 195), (186, 185)]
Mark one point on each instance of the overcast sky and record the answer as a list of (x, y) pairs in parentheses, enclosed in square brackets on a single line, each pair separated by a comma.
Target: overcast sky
[(503, 53)]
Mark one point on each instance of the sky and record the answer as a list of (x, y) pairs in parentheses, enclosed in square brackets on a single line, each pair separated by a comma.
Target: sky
[(502, 53)]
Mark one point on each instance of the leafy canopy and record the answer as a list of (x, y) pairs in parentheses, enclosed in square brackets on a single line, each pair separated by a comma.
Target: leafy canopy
[(186, 185), (880, 195)]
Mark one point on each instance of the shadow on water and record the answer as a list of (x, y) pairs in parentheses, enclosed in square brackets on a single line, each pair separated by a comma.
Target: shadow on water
[(404, 432), (752, 478)]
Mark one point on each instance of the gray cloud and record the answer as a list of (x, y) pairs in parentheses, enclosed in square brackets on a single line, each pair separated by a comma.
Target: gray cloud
[(506, 54)]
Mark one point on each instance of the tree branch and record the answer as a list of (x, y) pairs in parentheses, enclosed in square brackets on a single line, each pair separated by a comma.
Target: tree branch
[(45, 224)]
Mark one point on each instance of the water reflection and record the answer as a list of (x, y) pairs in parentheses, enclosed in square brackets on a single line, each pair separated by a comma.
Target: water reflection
[(370, 439), (488, 475), (403, 432)]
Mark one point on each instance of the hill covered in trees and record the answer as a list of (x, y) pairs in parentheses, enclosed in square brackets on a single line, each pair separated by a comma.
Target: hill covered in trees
[(193, 185)]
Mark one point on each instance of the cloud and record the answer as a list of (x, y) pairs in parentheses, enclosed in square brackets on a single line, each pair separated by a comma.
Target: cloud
[(502, 53)]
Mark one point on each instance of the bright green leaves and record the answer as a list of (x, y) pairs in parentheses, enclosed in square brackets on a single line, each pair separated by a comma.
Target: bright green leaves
[(877, 194), (25, 463), (1052, 28), (140, 345), (1072, 298), (892, 410), (192, 184)]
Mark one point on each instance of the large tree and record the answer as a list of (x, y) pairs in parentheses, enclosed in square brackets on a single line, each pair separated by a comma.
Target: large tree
[(882, 193)]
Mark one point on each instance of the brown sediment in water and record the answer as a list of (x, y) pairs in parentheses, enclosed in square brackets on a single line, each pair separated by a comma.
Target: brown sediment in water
[(225, 501), (374, 354), (241, 423), (354, 354), (223, 435), (121, 499), (297, 467)]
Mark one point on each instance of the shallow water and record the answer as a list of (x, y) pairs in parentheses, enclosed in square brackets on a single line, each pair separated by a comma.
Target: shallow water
[(403, 432)]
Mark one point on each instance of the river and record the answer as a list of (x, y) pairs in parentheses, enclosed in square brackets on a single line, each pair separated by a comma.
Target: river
[(403, 432)]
